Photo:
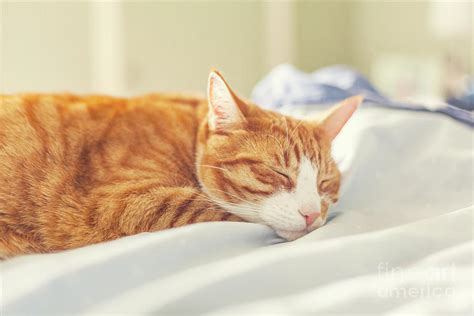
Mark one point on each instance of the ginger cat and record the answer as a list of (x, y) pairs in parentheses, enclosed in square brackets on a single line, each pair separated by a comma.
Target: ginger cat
[(77, 170)]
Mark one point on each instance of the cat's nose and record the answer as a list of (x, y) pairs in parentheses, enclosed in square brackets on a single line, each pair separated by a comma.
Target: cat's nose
[(310, 218)]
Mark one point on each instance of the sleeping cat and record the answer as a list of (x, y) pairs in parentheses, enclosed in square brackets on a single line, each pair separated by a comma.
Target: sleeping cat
[(81, 170)]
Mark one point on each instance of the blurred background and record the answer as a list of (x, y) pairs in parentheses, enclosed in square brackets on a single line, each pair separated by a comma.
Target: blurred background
[(407, 49)]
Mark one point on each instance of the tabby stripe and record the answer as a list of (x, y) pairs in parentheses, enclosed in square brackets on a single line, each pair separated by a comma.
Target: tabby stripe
[(255, 191), (234, 188), (277, 159), (286, 157), (81, 179), (154, 149), (149, 155), (117, 214), (186, 162), (297, 153), (321, 161), (82, 176), (159, 211), (36, 124), (226, 216), (229, 183), (139, 189), (195, 215), (238, 161), (266, 177), (181, 209), (273, 181), (262, 172), (99, 142), (63, 134), (191, 102), (221, 183)]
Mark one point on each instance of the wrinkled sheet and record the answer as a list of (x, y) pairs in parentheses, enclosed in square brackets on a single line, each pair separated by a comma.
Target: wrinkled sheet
[(398, 242)]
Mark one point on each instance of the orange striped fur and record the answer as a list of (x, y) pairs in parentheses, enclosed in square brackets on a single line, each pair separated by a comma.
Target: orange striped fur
[(77, 170)]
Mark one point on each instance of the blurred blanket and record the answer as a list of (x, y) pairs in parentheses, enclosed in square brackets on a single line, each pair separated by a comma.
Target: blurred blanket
[(286, 85), (398, 242), (465, 100)]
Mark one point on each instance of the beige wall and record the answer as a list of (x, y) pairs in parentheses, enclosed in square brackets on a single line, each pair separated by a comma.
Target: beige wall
[(44, 46), (51, 46), (400, 28), (168, 46), (323, 33), (358, 32), (394, 43), (172, 46)]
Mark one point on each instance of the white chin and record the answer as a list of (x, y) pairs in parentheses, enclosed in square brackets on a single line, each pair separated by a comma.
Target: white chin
[(290, 235)]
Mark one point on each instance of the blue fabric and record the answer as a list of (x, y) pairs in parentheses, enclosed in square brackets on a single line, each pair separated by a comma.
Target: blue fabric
[(287, 85), (465, 101)]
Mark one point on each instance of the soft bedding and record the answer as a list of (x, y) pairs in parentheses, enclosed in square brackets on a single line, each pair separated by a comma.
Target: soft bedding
[(398, 242), (286, 84)]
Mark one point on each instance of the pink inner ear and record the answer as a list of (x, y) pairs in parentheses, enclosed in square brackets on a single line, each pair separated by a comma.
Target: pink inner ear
[(339, 115), (225, 111)]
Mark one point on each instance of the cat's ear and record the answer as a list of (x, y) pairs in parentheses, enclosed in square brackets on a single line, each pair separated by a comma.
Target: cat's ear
[(224, 112), (338, 115)]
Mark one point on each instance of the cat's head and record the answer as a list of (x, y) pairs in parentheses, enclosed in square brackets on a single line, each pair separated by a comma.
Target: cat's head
[(269, 168)]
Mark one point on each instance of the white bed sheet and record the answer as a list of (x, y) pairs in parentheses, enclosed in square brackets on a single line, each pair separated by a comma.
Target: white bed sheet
[(398, 242)]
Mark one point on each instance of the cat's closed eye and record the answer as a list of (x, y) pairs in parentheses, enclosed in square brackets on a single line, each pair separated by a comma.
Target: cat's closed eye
[(283, 174)]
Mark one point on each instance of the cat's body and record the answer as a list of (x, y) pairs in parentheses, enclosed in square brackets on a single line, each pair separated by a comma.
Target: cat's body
[(68, 164), (81, 170)]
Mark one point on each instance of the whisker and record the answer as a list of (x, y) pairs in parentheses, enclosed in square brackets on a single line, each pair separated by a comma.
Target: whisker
[(251, 210), (294, 130), (215, 167), (278, 141), (205, 199), (217, 201), (235, 196), (242, 211)]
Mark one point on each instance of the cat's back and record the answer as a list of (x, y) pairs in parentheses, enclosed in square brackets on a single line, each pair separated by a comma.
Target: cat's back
[(59, 154), (73, 131), (68, 145), (50, 110)]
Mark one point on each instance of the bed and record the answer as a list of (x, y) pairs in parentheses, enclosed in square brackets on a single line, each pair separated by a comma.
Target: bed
[(398, 242)]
